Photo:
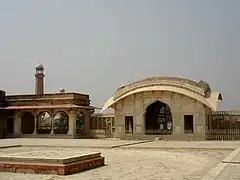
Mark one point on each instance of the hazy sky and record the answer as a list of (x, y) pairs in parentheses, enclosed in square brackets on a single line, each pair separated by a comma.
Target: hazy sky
[(96, 46)]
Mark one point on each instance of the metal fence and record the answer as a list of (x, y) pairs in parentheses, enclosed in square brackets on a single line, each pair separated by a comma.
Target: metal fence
[(223, 134)]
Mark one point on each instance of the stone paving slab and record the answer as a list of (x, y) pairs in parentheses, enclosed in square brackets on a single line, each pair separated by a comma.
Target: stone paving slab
[(103, 143), (230, 172), (214, 145), (88, 143), (221, 166), (236, 160)]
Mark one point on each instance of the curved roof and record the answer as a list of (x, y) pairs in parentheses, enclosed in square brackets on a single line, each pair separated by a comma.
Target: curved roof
[(200, 91)]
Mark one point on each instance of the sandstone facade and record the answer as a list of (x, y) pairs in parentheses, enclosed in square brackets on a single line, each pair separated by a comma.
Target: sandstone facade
[(184, 98)]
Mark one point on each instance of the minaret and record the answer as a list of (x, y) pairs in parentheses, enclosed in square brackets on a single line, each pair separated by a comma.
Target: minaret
[(39, 87)]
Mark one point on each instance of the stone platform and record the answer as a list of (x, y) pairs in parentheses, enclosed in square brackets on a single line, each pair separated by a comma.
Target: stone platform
[(49, 161)]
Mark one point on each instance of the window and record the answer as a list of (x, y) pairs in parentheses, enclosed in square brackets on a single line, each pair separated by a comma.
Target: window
[(188, 124), (129, 124)]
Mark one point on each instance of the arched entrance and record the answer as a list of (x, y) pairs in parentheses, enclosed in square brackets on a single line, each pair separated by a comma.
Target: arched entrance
[(61, 123), (44, 123), (158, 119)]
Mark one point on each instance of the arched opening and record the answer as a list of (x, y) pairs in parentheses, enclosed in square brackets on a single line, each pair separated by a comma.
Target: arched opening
[(27, 123), (80, 118), (61, 121), (44, 123), (158, 119)]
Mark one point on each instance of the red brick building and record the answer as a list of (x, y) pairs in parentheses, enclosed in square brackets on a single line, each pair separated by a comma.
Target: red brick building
[(62, 115)]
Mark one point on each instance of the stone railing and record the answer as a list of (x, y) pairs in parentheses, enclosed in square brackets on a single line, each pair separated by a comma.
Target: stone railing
[(167, 81)]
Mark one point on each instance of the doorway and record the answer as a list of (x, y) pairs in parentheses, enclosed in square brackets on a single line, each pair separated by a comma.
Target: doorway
[(158, 119)]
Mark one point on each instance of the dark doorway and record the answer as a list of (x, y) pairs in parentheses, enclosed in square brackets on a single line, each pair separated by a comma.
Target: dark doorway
[(10, 122), (27, 123), (10, 125), (158, 119), (188, 124)]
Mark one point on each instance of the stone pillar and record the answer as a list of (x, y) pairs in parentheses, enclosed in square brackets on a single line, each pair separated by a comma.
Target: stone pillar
[(177, 125), (72, 123), (139, 116), (86, 121), (199, 126), (139, 124), (35, 125), (120, 124), (52, 130), (17, 123)]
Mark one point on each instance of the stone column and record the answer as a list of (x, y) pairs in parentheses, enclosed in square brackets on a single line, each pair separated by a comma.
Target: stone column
[(139, 117), (86, 121), (52, 131), (35, 125), (72, 123), (17, 123), (120, 124), (177, 125), (199, 126), (139, 124)]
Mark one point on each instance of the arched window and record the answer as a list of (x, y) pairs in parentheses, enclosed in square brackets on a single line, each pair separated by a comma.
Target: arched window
[(61, 123), (44, 123)]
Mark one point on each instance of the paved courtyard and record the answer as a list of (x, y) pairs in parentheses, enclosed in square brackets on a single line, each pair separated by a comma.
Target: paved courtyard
[(130, 163), (147, 160)]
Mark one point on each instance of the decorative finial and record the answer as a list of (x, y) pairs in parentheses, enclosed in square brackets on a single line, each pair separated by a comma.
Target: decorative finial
[(39, 66)]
